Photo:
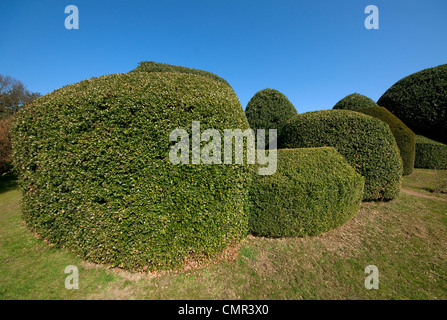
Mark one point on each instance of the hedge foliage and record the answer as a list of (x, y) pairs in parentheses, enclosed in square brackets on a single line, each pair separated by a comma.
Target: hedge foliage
[(420, 101), (430, 154), (96, 176), (405, 138), (366, 142), (313, 190), (269, 109), (151, 66), (354, 101)]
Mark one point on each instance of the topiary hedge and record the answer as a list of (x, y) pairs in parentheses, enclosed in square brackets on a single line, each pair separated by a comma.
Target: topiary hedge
[(354, 101), (313, 190), (430, 154), (420, 101), (151, 66), (93, 161), (366, 142), (405, 138), (269, 109)]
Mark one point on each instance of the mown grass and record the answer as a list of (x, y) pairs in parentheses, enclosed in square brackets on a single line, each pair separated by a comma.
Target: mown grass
[(405, 238)]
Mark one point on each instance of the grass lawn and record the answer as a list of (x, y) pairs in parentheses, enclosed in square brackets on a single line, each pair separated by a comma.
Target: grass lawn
[(405, 238)]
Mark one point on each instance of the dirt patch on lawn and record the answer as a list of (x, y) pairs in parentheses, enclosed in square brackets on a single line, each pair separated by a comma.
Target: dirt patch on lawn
[(421, 195), (348, 239), (263, 265)]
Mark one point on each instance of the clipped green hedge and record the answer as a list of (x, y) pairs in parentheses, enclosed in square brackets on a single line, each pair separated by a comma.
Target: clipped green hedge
[(430, 154), (151, 66), (269, 109), (313, 191), (405, 138), (366, 142), (355, 101), (420, 101), (94, 168)]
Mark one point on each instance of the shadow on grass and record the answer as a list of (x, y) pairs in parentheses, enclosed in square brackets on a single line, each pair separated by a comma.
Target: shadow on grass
[(8, 181)]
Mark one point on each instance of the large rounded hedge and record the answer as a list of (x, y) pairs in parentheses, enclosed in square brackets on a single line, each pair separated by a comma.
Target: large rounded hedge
[(366, 142), (355, 101), (430, 154), (93, 160), (313, 190), (420, 101), (405, 138), (269, 109), (151, 66)]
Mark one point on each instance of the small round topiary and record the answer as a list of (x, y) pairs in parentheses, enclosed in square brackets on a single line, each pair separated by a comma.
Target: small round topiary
[(151, 66), (430, 154), (313, 191), (93, 161), (366, 142), (269, 109), (420, 101), (405, 138), (354, 101)]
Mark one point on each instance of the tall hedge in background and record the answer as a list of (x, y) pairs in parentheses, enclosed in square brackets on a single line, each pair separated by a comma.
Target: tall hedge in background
[(269, 109), (313, 191), (94, 168), (420, 101), (430, 154), (405, 138), (367, 143), (151, 66), (355, 101)]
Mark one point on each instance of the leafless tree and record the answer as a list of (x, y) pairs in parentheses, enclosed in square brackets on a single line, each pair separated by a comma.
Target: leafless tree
[(13, 95)]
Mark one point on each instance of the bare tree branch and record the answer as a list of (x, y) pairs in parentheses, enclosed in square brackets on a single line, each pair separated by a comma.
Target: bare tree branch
[(13, 95)]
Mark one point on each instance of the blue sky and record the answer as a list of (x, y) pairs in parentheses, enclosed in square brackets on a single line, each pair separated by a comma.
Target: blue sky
[(315, 52)]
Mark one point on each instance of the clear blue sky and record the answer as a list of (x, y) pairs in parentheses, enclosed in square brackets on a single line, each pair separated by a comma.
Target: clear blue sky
[(315, 52)]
